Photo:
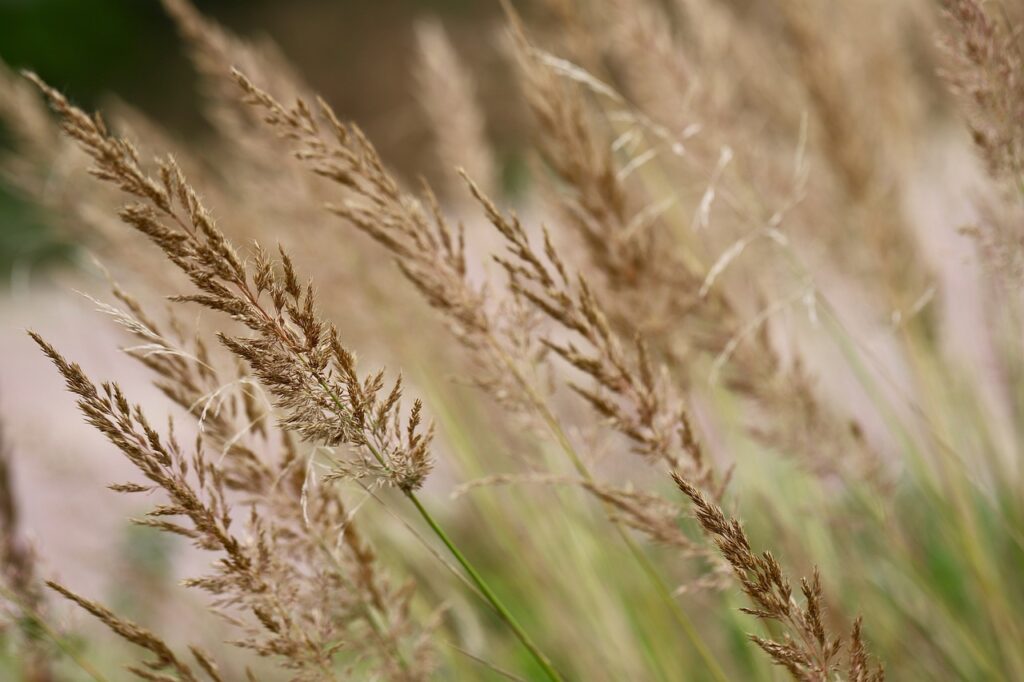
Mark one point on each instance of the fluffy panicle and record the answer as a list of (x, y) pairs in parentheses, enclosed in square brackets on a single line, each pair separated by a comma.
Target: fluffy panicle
[(306, 600), (164, 659), (374, 203), (430, 252), (193, 486), (312, 377), (624, 243), (634, 252), (705, 320), (852, 141), (627, 391), (295, 355), (214, 51), (807, 651), (984, 71)]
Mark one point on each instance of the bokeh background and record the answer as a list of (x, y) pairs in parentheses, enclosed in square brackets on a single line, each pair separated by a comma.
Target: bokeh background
[(361, 56), (358, 55)]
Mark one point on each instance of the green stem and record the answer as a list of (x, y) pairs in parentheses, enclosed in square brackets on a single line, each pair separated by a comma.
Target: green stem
[(645, 563), (474, 575), (486, 591)]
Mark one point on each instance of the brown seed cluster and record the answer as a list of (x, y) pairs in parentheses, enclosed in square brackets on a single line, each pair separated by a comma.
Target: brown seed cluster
[(807, 651), (627, 390), (301, 618), (298, 357), (307, 598), (984, 71)]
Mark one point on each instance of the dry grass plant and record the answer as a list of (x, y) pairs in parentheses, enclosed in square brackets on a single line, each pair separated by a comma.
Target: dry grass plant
[(636, 341)]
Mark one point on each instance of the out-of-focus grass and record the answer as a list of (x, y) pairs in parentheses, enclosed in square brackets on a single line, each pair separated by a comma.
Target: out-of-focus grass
[(27, 243), (932, 562)]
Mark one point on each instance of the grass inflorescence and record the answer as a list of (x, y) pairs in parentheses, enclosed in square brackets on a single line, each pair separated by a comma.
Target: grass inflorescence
[(714, 325)]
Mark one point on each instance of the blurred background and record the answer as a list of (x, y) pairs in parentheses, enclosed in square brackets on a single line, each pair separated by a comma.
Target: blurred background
[(867, 171), (359, 55)]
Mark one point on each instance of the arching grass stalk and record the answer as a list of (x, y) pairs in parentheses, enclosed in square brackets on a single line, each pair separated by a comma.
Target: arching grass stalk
[(474, 575), (542, 660)]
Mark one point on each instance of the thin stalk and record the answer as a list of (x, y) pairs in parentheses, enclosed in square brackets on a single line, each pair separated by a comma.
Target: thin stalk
[(475, 576), (485, 590), (487, 664), (542, 660), (473, 586), (433, 551)]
